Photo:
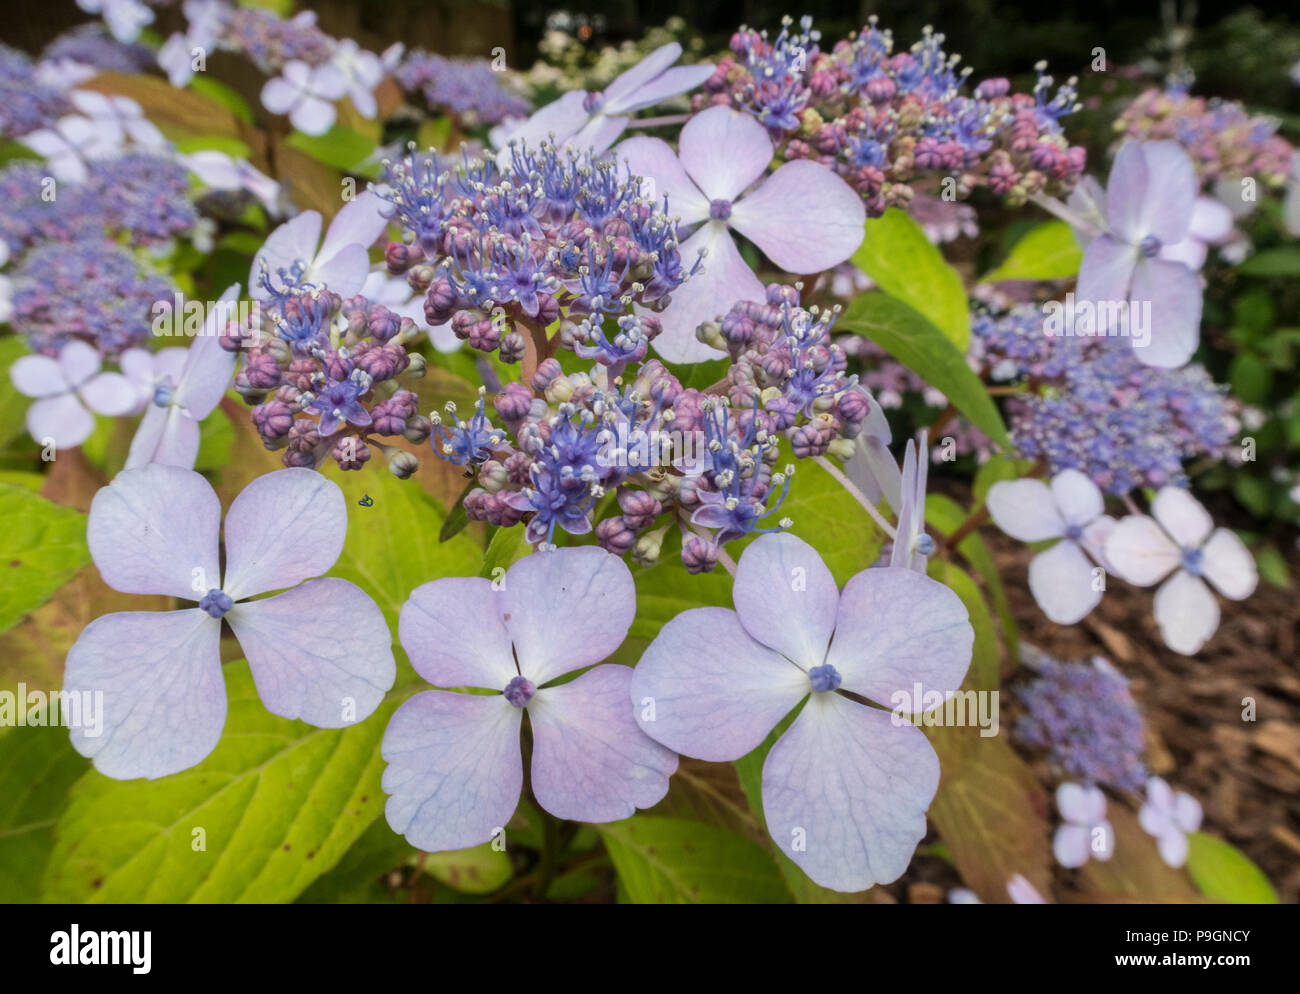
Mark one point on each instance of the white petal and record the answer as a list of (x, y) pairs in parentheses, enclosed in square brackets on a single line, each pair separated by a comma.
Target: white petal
[(1182, 516), (320, 652), (1076, 496), (1025, 510), (724, 151), (164, 701), (786, 598), (845, 791), (1060, 579), (1139, 551), (1228, 564), (1187, 613)]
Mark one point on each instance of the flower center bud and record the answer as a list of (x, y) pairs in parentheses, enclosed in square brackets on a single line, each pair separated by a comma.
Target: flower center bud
[(520, 691), (924, 546), (216, 602), (1074, 532), (1149, 246), (720, 210), (593, 102), (824, 678), (1192, 561), (163, 393)]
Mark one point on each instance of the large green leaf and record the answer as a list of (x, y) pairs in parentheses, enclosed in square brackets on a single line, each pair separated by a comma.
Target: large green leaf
[(1047, 252), (278, 803), (13, 405), (37, 766), (990, 812), (668, 861), (392, 545), (1223, 871), (904, 263), (913, 340), (42, 547)]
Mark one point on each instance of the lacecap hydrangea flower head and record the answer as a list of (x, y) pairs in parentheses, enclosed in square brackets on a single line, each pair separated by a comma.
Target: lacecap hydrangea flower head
[(320, 651), (846, 787), (455, 767)]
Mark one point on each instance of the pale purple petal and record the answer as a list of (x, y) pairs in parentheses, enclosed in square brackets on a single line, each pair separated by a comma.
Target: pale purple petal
[(208, 367), (1021, 891), (164, 701), (1140, 552), (1060, 579), (670, 83), (1228, 564), (845, 792), (625, 86), (1182, 516), (1187, 812), (111, 394), (1071, 846), (345, 272), (1106, 270), (312, 116), (1081, 804), (1173, 847), (1077, 497), (454, 769), (706, 689), (590, 761), (724, 151), (294, 241), (320, 652), (566, 609), (283, 528), (62, 418), (599, 133), (896, 628), (38, 376), (786, 598), (1187, 613), (1127, 191), (1211, 221), (154, 531), (279, 95), (78, 362), (561, 118), (1173, 293), (725, 280), (654, 161), (803, 217), (357, 223), (1171, 191), (1025, 510), (453, 634), (328, 81), (1190, 252), (167, 436)]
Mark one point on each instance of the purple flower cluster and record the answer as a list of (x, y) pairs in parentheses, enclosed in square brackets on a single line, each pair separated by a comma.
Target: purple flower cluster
[(91, 289), (1223, 139), (504, 252), (704, 461), (270, 41), (25, 104), (1092, 405), (891, 122), (467, 88), (1084, 717), (139, 195), (322, 376), (92, 47)]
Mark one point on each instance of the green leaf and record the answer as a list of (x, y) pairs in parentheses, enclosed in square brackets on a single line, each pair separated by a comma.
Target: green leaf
[(340, 147), (356, 878), (224, 95), (668, 861), (233, 147), (37, 766), (904, 263), (1047, 252), (983, 672), (946, 516), (1251, 379), (507, 547), (278, 802), (216, 439), (911, 339), (997, 469), (13, 405), (1273, 567), (991, 813), (458, 520), (1281, 261), (42, 547), (477, 870), (1224, 872), (392, 546)]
